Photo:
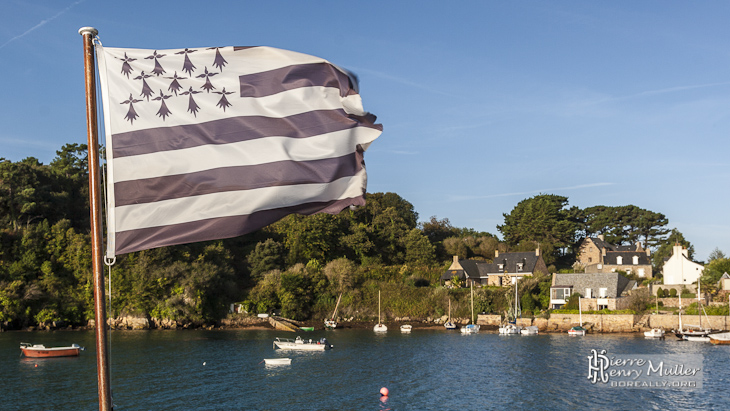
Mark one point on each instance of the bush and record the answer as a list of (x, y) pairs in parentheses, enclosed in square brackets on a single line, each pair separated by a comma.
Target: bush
[(660, 293), (673, 293)]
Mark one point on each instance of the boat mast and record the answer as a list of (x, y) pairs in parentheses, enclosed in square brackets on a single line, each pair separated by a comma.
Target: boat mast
[(472, 301), (378, 306), (338, 304), (580, 313), (102, 357)]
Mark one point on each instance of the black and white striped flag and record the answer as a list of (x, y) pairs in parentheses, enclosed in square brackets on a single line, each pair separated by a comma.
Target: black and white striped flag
[(217, 142)]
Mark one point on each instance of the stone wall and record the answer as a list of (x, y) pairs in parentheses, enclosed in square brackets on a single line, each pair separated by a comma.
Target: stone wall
[(670, 322), (489, 319)]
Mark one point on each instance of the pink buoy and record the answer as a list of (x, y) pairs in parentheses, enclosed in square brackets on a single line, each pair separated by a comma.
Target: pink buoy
[(384, 392)]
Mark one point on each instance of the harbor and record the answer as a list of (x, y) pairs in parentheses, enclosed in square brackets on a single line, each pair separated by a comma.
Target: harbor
[(426, 369)]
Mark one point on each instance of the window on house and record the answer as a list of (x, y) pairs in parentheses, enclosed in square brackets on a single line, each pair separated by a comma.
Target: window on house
[(519, 266), (500, 266), (561, 293), (602, 292), (641, 272), (619, 260), (636, 260), (590, 259)]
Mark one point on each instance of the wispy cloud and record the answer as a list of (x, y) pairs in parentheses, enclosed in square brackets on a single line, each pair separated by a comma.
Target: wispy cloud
[(402, 81), (542, 190), (41, 24)]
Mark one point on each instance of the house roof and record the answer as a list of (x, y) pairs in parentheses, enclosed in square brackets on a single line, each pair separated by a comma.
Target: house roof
[(611, 258), (470, 270), (614, 283), (509, 262)]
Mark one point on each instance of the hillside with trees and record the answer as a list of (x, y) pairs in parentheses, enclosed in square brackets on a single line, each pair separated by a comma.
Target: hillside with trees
[(298, 265)]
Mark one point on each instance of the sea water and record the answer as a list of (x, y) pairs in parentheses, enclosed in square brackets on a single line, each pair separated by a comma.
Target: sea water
[(428, 369)]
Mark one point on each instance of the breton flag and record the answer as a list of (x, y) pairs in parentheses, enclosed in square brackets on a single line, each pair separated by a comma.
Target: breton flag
[(210, 143)]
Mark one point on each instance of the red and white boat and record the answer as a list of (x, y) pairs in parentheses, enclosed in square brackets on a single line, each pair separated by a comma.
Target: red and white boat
[(41, 351)]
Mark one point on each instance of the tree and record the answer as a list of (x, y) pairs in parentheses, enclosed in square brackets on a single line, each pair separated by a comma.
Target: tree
[(267, 256), (716, 254), (542, 219), (419, 251), (625, 224), (665, 249), (340, 274)]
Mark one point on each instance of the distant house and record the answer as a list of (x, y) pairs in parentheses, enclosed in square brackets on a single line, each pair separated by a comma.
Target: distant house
[(505, 269), (597, 256), (679, 269), (599, 290)]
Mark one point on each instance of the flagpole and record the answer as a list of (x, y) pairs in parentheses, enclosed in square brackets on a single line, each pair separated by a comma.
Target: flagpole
[(102, 357)]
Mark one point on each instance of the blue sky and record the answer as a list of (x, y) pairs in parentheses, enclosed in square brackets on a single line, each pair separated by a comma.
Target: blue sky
[(484, 103)]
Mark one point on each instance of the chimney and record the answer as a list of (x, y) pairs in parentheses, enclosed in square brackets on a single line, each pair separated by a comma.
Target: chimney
[(537, 252), (600, 237), (648, 252), (603, 252), (456, 258), (496, 253)]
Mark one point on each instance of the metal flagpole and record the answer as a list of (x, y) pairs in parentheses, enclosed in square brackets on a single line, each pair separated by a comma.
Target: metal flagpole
[(102, 358)]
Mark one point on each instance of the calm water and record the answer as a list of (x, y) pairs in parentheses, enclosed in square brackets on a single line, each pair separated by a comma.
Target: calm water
[(426, 370)]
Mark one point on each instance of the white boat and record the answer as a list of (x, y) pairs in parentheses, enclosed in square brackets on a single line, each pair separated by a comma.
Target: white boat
[(720, 338), (654, 333), (509, 329), (406, 328), (578, 330), (277, 361), (689, 332), (301, 344), (331, 323), (530, 330), (471, 328), (704, 338), (41, 351), (448, 324), (379, 327)]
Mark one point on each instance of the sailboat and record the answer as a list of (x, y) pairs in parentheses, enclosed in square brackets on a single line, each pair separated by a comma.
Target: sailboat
[(693, 332), (448, 324), (379, 327), (510, 327), (331, 323), (655, 332), (578, 330), (471, 328)]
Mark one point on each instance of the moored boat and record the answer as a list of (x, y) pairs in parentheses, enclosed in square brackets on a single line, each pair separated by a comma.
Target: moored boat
[(720, 338), (654, 333), (577, 331), (380, 327), (509, 329), (301, 344), (529, 330), (41, 351), (471, 328), (277, 361), (331, 323), (406, 328)]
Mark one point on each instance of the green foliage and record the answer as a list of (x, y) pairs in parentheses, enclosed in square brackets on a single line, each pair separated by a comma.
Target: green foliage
[(572, 303), (267, 256), (660, 293), (626, 224), (541, 219), (664, 250), (672, 292)]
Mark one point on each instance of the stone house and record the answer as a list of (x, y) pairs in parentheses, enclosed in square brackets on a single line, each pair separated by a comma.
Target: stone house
[(679, 269), (595, 255), (503, 271), (598, 290)]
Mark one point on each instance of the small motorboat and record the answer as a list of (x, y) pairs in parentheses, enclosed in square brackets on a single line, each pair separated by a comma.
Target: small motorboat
[(530, 330), (697, 338), (654, 333), (41, 351), (577, 331), (306, 328), (720, 338), (470, 329), (509, 329), (406, 328), (301, 344), (277, 361)]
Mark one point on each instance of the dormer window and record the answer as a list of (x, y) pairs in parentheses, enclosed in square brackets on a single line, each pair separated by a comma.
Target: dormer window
[(636, 260), (619, 260), (500, 266), (519, 266)]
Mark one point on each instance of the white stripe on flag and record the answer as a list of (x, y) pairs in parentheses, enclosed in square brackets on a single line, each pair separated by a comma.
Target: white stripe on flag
[(235, 203), (253, 152)]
